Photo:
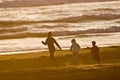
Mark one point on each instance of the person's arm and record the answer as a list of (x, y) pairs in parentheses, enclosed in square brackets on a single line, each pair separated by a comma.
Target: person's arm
[(79, 46), (44, 42), (98, 49), (71, 48), (57, 44)]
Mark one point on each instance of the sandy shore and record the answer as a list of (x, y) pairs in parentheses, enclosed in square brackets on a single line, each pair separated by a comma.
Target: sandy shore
[(37, 66)]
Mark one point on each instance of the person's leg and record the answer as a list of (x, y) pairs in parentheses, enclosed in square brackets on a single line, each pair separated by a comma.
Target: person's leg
[(98, 59), (75, 58), (52, 57)]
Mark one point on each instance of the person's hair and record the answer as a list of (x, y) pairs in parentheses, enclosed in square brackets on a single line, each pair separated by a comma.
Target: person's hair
[(49, 34), (73, 40), (93, 42)]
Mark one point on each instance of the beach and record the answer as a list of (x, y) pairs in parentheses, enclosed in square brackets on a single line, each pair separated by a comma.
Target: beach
[(23, 28), (37, 65)]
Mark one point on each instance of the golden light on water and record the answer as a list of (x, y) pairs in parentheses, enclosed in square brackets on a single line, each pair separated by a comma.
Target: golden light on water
[(75, 11), (25, 53)]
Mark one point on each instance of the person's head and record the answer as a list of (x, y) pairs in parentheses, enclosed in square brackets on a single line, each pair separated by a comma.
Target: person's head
[(93, 43), (73, 41), (49, 34)]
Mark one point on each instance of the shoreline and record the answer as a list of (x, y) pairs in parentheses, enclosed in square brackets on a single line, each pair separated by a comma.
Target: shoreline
[(40, 53), (46, 50)]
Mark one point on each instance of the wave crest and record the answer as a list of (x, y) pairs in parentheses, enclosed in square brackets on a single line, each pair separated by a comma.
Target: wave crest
[(12, 30), (84, 18), (60, 33)]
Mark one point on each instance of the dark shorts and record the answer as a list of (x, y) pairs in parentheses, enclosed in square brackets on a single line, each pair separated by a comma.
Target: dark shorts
[(51, 51)]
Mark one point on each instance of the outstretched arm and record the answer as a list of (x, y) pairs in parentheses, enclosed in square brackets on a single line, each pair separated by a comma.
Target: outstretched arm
[(43, 42), (70, 48), (98, 49), (79, 46), (57, 44)]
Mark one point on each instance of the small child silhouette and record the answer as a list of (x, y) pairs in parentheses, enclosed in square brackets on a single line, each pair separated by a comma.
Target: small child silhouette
[(95, 52)]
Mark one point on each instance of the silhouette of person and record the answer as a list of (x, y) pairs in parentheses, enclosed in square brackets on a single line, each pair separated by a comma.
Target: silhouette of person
[(50, 41), (75, 47), (95, 52)]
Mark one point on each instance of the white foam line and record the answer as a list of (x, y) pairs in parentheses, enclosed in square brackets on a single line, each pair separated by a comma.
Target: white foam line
[(21, 52)]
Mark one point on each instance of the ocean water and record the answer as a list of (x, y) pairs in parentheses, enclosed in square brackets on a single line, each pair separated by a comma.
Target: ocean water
[(23, 28)]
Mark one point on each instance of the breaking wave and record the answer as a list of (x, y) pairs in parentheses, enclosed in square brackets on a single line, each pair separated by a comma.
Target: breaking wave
[(59, 33), (84, 18), (12, 30)]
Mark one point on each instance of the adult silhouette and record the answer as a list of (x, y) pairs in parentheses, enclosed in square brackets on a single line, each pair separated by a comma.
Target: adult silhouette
[(50, 41)]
